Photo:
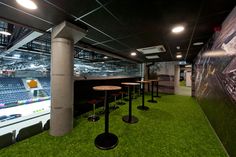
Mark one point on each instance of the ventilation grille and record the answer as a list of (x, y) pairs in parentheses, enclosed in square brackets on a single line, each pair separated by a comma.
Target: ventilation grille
[(152, 57), (152, 49)]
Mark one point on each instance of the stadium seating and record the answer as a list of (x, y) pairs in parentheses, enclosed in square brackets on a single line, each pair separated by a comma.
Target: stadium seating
[(13, 90), (44, 81), (14, 97), (7, 83)]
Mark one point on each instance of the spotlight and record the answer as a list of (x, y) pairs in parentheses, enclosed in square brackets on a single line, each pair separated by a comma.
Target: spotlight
[(179, 56), (133, 54), (177, 29), (29, 4)]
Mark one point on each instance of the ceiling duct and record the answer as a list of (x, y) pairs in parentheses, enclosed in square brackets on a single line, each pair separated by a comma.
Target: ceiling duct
[(152, 49), (152, 57)]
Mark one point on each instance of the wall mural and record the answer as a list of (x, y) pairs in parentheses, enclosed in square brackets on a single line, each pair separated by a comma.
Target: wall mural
[(215, 82)]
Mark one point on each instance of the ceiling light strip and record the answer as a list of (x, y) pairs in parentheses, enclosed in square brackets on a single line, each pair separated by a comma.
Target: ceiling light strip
[(91, 12), (102, 44), (169, 50), (109, 12), (104, 33), (94, 10), (123, 37), (39, 18), (78, 19), (194, 28), (60, 9)]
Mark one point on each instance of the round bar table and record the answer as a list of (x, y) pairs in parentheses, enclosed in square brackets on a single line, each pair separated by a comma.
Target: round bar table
[(142, 107), (152, 100), (129, 118), (106, 140), (157, 84)]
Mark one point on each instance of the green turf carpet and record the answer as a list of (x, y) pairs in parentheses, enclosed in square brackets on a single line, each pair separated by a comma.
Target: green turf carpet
[(182, 83), (173, 127)]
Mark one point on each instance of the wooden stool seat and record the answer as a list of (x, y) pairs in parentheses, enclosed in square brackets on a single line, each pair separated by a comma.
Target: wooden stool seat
[(93, 117), (121, 102), (115, 94), (93, 101)]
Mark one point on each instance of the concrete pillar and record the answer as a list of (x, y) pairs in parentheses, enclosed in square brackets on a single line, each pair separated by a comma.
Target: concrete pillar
[(177, 77), (61, 86), (62, 65)]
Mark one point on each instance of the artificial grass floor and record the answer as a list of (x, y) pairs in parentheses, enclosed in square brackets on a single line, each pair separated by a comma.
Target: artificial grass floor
[(182, 83), (173, 127)]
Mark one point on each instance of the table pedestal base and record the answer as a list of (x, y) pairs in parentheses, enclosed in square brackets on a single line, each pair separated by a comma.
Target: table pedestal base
[(143, 108), (152, 101), (120, 103), (131, 121), (106, 141)]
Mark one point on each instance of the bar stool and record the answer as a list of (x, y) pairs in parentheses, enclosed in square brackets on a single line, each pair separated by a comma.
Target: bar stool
[(93, 117), (115, 95), (127, 94), (101, 99), (121, 102)]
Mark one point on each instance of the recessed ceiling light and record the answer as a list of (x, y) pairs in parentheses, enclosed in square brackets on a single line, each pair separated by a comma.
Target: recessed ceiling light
[(5, 33), (198, 43), (29, 4), (105, 57), (133, 54), (179, 56), (178, 29), (177, 47)]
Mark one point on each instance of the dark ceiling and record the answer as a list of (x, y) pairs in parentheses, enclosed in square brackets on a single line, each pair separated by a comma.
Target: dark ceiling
[(122, 26)]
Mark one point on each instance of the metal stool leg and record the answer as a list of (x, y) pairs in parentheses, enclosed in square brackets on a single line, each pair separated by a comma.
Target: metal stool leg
[(93, 117), (115, 106)]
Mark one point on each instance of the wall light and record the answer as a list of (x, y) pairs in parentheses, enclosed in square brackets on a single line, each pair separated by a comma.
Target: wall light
[(177, 29), (133, 54), (5, 33), (29, 4), (198, 43), (215, 53)]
